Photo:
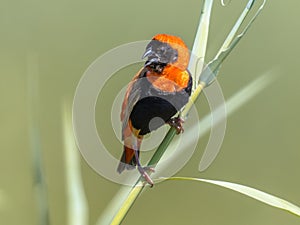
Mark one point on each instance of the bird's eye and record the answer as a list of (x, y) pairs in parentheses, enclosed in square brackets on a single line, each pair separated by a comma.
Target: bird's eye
[(159, 51), (162, 50)]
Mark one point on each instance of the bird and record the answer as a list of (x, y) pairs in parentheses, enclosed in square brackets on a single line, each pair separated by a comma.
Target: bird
[(160, 89)]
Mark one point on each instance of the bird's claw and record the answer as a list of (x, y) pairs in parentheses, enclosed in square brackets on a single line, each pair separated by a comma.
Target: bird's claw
[(177, 122), (145, 175)]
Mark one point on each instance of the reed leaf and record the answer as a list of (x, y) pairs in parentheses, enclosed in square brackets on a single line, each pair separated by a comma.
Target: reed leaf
[(248, 191)]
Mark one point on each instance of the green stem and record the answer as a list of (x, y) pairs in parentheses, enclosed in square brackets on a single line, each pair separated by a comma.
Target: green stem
[(162, 147)]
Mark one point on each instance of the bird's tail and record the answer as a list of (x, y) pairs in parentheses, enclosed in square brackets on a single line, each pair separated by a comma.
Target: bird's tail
[(128, 159), (131, 152)]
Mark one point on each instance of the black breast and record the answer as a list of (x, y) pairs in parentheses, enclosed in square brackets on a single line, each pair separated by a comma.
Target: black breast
[(155, 107)]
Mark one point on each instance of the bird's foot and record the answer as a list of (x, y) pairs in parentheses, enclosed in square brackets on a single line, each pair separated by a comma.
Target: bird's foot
[(177, 123), (145, 175)]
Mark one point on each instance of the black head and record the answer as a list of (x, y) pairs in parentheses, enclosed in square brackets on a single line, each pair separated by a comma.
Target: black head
[(159, 55)]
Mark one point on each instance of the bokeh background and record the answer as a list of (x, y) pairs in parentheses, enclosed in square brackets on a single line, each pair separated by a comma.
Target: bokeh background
[(62, 38)]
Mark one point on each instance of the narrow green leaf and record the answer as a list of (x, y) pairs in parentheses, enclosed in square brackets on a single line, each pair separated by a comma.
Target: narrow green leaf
[(211, 71), (77, 205), (40, 184), (235, 28), (200, 43), (248, 191)]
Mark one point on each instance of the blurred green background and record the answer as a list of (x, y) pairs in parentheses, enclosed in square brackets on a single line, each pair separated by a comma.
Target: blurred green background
[(261, 145)]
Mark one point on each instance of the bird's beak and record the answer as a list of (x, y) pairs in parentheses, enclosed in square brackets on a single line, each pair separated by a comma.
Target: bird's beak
[(150, 61), (152, 56), (147, 53)]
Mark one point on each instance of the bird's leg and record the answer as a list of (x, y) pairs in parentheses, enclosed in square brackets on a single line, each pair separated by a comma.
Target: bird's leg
[(176, 122), (142, 170)]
